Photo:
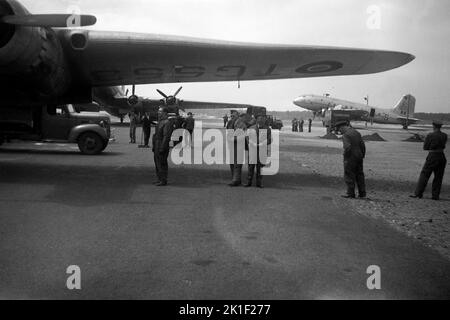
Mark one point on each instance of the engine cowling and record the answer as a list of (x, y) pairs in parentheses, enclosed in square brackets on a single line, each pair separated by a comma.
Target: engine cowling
[(31, 58)]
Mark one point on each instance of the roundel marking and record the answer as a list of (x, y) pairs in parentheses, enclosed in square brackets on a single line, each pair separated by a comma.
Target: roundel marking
[(319, 67)]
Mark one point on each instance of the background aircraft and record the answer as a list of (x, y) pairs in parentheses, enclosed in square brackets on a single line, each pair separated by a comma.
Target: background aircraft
[(117, 102), (402, 113), (47, 59)]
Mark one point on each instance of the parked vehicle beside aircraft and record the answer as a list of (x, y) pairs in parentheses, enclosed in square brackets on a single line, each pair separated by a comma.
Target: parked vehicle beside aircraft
[(91, 131)]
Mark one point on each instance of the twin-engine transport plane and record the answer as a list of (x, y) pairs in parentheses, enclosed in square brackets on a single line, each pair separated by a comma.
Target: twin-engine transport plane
[(43, 61), (402, 113)]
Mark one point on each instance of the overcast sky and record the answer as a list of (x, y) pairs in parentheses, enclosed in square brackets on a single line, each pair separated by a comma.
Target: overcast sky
[(419, 27)]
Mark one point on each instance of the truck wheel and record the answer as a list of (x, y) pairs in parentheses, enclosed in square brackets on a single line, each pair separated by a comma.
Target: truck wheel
[(90, 143)]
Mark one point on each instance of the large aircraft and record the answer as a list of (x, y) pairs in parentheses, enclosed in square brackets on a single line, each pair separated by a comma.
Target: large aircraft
[(47, 59), (117, 102), (402, 113)]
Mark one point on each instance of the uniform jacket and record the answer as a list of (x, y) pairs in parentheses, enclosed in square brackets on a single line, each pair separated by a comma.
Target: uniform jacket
[(230, 124), (146, 123), (161, 138), (435, 141), (189, 124), (354, 146)]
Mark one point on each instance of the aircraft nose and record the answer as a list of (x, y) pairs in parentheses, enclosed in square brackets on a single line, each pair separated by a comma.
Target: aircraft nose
[(299, 101)]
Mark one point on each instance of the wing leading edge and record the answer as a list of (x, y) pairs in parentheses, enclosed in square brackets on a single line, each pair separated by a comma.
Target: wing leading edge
[(114, 58)]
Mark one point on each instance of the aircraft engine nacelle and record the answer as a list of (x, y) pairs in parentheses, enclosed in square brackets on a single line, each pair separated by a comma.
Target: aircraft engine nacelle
[(31, 53)]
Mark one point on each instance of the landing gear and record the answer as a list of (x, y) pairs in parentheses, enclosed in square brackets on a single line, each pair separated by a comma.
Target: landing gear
[(405, 125), (121, 119)]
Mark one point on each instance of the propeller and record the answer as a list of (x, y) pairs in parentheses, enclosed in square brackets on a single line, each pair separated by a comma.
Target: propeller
[(170, 100), (50, 20), (133, 99)]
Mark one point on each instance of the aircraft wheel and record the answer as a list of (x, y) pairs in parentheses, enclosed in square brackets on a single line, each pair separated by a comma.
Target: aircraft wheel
[(90, 143)]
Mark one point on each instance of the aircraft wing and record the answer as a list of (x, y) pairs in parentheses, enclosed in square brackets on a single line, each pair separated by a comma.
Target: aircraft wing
[(197, 105), (114, 58)]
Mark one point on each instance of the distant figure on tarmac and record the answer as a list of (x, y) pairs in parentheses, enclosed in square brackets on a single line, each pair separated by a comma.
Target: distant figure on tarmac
[(225, 120), (436, 162), (309, 125), (189, 123), (133, 124), (161, 140), (294, 124), (354, 154), (146, 129), (301, 125)]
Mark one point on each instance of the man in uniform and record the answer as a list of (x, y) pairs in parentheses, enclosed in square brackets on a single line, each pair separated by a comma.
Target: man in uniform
[(237, 122), (225, 121), (133, 124), (261, 124), (354, 154), (147, 129), (189, 123), (161, 149), (309, 125), (301, 123), (294, 125), (436, 162)]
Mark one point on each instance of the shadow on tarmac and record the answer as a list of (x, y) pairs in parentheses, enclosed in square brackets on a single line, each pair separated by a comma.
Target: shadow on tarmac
[(87, 185)]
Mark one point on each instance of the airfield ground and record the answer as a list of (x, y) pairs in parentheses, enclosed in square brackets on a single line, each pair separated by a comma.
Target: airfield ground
[(200, 239)]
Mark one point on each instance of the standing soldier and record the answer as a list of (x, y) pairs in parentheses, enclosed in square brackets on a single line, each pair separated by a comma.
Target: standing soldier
[(240, 122), (225, 120), (301, 125), (230, 126), (435, 163), (147, 129), (133, 124), (161, 140), (261, 124), (294, 125), (189, 123), (309, 125), (354, 154)]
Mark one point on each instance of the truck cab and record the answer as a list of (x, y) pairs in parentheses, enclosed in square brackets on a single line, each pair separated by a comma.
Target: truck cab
[(52, 123)]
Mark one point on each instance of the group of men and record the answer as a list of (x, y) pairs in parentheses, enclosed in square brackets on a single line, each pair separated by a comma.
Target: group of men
[(353, 144), (161, 138), (355, 152), (298, 125), (246, 122)]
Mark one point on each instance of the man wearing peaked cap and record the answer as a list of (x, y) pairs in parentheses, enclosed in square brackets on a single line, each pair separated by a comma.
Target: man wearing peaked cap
[(354, 154), (436, 162)]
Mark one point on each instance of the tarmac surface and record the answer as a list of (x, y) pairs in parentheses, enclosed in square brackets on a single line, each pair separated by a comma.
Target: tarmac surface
[(200, 239)]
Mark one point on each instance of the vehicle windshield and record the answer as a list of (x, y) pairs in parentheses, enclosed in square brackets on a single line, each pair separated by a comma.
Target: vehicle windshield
[(70, 108)]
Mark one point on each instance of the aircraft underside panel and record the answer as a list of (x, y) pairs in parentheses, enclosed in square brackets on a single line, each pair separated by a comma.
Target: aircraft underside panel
[(113, 58)]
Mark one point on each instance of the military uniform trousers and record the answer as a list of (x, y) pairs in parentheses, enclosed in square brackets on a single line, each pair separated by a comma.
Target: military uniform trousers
[(251, 173), (147, 133), (161, 165), (435, 163), (354, 175)]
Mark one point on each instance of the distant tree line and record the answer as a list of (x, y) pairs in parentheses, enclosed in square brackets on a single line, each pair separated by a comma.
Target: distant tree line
[(445, 117)]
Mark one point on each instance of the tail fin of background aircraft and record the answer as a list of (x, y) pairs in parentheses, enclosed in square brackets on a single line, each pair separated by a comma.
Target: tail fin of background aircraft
[(406, 107)]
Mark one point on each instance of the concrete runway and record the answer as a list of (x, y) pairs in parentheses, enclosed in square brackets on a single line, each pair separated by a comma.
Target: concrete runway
[(196, 238)]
